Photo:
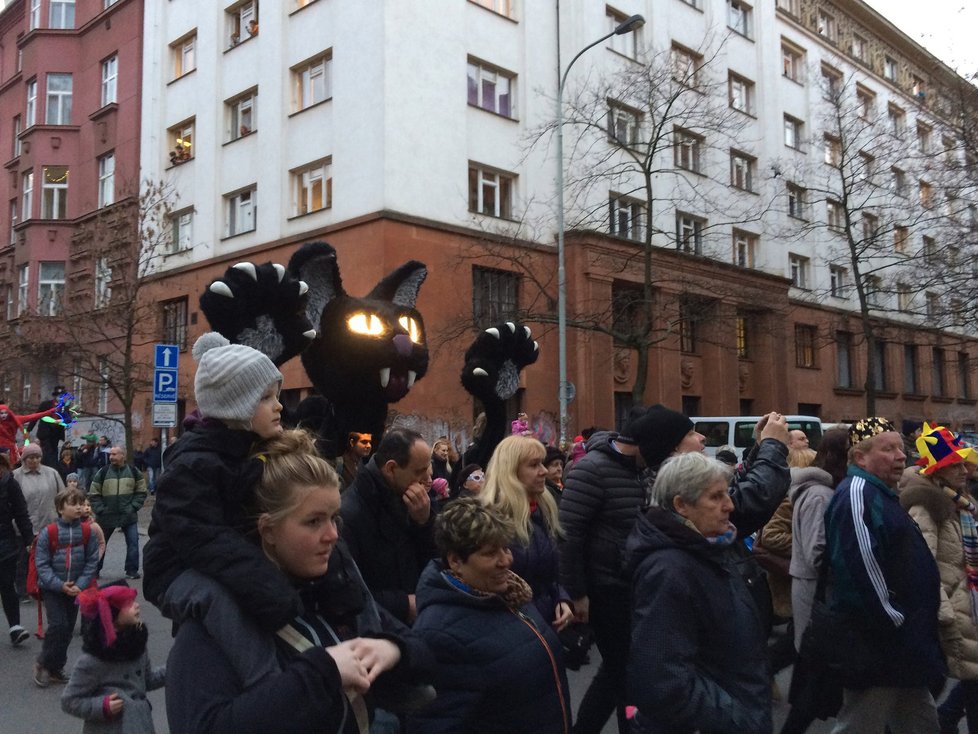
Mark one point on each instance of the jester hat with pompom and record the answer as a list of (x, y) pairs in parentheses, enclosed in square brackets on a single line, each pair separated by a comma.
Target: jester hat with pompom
[(938, 448)]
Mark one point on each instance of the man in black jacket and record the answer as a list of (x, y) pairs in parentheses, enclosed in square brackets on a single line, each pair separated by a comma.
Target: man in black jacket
[(49, 435), (388, 521)]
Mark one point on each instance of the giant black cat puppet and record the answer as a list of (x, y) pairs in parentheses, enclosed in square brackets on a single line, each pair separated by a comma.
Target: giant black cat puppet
[(360, 354)]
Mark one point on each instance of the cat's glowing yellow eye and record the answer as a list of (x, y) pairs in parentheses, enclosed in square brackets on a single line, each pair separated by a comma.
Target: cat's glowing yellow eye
[(411, 327), (362, 323)]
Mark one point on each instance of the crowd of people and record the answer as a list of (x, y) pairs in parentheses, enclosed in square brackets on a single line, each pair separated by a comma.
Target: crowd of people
[(403, 588)]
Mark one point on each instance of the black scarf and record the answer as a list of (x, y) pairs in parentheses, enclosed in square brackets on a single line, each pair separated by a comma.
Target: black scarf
[(130, 642)]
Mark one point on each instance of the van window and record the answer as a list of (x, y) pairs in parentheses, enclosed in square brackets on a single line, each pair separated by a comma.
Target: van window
[(744, 432), (715, 432)]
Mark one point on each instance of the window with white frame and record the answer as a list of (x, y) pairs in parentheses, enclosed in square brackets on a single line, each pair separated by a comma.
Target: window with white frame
[(181, 139), (798, 270), (25, 382), (740, 91), (792, 62), (871, 224), (831, 83), (23, 286), (13, 222), (502, 7), (686, 66), (865, 103), (901, 236), (918, 87), (30, 117), (793, 128), (949, 146), (926, 195), (50, 288), (18, 128), (184, 53), (106, 179), (103, 282), (61, 14), (865, 167), (833, 215), (838, 281), (490, 192), (311, 82), (110, 78), (242, 114), (77, 382), (797, 203), (491, 88), (929, 249), (241, 210), (896, 119), (924, 137), (312, 187), (688, 150), (859, 47), (626, 43), (34, 18), (54, 192), (181, 231), (889, 68), (833, 150), (790, 6), (27, 194), (10, 311), (626, 217), (827, 27), (903, 297), (744, 248), (624, 124), (242, 21), (58, 109), (689, 233), (103, 386), (739, 17), (742, 168)]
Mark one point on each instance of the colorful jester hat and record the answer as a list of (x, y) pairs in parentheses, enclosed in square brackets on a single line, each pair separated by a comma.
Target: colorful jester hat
[(939, 447)]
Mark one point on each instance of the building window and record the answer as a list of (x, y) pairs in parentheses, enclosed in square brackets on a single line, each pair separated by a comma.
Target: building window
[(742, 167), (242, 21), (792, 132), (502, 7), (54, 193), (898, 181), (10, 306), (929, 250), (491, 192), (739, 17), (742, 335), (311, 82), (50, 288), (805, 345), (27, 191), (964, 376), (31, 116), (831, 84), (34, 19), (312, 188), (687, 147), (106, 179), (688, 326), (103, 387), (495, 295), (241, 212), (889, 68), (865, 103), (110, 76), (58, 109), (896, 120), (859, 46), (18, 127), (242, 114), (833, 150), (61, 14), (792, 62), (833, 215), (628, 309), (926, 195), (903, 297), (184, 53), (626, 43), (23, 284), (797, 204), (626, 217), (874, 291), (741, 93), (870, 229), (826, 26), (938, 381), (838, 281), (844, 376), (686, 66), (900, 239), (924, 137), (624, 124), (175, 322), (103, 282), (879, 365), (13, 222), (744, 248), (181, 142), (181, 231), (491, 88), (910, 384), (932, 305), (798, 270), (689, 233), (790, 6)]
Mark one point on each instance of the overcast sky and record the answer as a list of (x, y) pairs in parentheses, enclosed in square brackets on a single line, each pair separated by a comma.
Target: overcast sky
[(946, 28)]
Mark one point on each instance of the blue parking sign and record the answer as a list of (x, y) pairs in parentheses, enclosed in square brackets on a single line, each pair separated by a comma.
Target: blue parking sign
[(165, 386)]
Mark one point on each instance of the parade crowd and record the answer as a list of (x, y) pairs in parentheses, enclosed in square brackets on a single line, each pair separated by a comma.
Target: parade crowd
[(407, 588)]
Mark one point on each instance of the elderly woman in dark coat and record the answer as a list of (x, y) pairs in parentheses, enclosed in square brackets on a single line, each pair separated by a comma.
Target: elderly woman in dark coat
[(698, 656), (499, 667)]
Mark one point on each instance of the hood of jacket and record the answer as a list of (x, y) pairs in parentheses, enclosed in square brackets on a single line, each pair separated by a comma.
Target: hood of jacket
[(601, 442), (802, 479), (919, 489), (658, 530)]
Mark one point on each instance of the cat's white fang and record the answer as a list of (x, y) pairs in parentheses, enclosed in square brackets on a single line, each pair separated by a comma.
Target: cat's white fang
[(248, 268), (303, 288), (279, 270), (479, 372), (512, 327), (385, 376), (527, 330), (221, 288), (494, 331), (536, 347), (412, 376), (310, 335)]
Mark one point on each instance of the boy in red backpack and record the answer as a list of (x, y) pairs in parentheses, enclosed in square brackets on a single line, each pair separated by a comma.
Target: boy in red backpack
[(65, 568)]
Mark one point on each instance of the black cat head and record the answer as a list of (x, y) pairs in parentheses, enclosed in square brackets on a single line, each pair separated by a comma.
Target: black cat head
[(367, 350)]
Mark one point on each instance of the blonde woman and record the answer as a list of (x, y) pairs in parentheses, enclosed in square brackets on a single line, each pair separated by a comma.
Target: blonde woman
[(516, 485)]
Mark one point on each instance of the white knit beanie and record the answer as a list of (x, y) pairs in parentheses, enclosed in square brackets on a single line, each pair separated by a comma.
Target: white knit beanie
[(231, 378)]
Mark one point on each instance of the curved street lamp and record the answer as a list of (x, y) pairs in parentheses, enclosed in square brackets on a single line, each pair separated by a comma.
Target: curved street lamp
[(628, 26)]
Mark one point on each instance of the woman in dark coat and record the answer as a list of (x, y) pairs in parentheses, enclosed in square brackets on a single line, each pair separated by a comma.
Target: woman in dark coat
[(698, 660), (16, 534), (499, 665)]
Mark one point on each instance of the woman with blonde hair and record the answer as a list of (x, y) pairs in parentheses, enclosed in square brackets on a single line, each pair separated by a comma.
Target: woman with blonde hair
[(516, 485)]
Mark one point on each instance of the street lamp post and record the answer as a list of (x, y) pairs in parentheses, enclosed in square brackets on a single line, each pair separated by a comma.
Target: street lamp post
[(631, 24)]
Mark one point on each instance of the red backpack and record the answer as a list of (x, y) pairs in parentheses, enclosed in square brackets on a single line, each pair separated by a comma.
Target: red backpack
[(33, 589)]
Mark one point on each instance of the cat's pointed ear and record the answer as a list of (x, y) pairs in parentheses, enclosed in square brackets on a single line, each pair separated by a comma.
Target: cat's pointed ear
[(401, 287), (315, 264)]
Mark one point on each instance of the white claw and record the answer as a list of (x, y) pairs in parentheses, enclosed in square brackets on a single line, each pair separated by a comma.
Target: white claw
[(527, 330), (494, 331), (385, 376), (303, 288), (280, 270), (536, 347), (479, 372), (248, 268), (221, 288), (310, 335), (512, 327), (412, 376)]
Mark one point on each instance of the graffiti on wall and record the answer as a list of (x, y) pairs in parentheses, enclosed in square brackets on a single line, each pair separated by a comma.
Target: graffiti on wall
[(542, 424)]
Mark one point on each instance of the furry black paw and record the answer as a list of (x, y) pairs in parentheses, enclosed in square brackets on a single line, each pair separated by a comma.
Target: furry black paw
[(494, 360), (260, 306)]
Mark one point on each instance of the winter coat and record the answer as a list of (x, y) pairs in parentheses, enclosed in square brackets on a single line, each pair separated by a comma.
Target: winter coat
[(116, 494), (499, 670), (13, 512), (93, 679), (39, 489), (153, 456), (200, 518), (938, 519), (72, 560), (390, 549), (811, 490), (883, 577), (536, 563), (48, 433), (698, 659), (601, 501), (775, 537)]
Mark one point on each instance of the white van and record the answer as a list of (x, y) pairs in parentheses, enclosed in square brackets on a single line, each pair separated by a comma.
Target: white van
[(738, 431)]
